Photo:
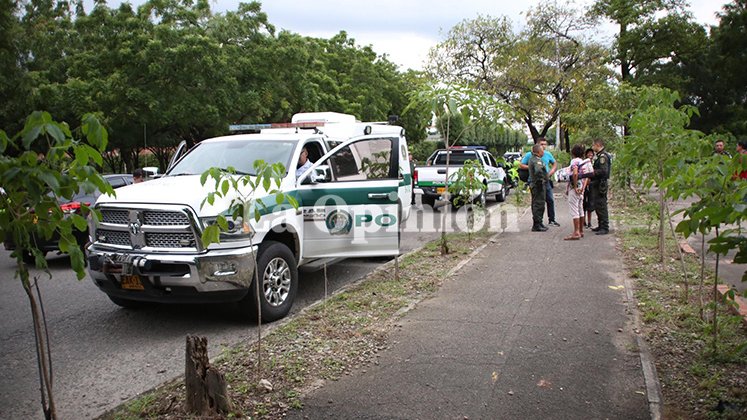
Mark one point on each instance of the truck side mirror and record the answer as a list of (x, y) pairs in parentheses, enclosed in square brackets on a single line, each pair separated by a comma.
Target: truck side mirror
[(323, 174)]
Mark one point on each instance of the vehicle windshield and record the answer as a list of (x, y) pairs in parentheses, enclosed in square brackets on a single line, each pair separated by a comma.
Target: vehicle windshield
[(457, 157), (240, 154)]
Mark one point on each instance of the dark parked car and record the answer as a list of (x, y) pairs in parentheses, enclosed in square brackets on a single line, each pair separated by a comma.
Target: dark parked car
[(72, 206)]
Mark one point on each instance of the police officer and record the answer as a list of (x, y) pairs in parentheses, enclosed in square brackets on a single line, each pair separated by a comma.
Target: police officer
[(600, 185), (538, 183)]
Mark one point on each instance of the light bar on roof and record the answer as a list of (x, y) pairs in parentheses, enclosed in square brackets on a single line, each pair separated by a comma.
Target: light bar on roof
[(259, 127)]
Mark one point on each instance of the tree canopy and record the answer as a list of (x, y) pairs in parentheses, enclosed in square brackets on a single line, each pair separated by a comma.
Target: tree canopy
[(172, 69)]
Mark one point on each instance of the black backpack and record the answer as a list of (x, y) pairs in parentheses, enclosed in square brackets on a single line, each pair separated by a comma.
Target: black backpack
[(524, 174)]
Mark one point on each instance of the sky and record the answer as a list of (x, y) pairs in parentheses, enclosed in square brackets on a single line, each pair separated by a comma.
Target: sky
[(405, 30)]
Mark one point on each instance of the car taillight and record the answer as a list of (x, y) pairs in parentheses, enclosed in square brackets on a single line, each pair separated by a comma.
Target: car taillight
[(415, 176), (72, 207)]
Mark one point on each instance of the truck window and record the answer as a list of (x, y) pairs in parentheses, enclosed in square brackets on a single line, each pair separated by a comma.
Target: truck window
[(363, 160), (315, 150), (240, 154), (489, 159), (456, 158)]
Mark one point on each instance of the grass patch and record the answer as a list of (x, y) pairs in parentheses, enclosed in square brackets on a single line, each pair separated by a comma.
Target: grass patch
[(325, 341), (699, 381)]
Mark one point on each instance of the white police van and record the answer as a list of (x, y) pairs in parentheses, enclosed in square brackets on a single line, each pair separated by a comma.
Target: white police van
[(147, 247)]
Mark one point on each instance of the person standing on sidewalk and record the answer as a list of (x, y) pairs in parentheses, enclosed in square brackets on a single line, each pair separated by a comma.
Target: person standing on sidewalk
[(551, 165), (575, 191), (537, 181), (600, 185), (588, 204)]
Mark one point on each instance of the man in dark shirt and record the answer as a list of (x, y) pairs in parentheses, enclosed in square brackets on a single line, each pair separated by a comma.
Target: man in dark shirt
[(718, 148), (538, 181), (600, 185)]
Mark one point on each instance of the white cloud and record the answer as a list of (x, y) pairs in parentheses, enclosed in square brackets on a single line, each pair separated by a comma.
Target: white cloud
[(406, 30)]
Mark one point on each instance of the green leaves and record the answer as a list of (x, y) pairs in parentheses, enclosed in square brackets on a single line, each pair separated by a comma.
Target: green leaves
[(34, 183), (467, 181)]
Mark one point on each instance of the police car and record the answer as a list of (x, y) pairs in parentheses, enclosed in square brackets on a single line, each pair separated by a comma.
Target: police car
[(430, 180), (147, 247)]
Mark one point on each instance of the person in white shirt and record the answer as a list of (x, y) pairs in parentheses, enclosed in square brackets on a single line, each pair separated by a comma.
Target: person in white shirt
[(303, 163)]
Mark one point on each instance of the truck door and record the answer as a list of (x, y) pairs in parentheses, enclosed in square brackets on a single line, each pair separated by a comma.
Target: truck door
[(352, 210), (495, 178)]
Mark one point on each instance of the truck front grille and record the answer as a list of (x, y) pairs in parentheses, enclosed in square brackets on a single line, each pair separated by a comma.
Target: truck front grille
[(170, 240), (113, 237), (119, 217), (157, 229), (164, 218)]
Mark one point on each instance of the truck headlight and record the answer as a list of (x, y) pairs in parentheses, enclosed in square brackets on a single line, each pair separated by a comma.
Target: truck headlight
[(236, 229)]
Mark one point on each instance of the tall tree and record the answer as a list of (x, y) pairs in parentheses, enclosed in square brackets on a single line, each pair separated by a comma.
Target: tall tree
[(534, 71), (14, 81), (718, 83), (651, 34)]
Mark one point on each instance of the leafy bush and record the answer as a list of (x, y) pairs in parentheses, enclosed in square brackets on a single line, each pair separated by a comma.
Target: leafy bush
[(422, 150)]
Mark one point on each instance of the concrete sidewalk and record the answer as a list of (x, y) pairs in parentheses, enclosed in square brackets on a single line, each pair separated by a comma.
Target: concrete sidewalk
[(532, 327)]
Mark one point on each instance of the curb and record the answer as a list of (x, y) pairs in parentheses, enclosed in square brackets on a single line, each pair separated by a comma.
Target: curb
[(650, 377)]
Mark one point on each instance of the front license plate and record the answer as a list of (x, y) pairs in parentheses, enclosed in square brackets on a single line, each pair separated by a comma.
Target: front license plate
[(132, 282), (440, 190)]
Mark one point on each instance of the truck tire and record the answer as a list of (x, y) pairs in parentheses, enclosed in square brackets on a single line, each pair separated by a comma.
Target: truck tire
[(278, 280), (501, 196), (481, 200), (428, 201)]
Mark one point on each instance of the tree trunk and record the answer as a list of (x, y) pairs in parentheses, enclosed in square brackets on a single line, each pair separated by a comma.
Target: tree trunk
[(702, 275), (623, 56), (205, 386), (661, 212), (714, 332), (532, 129), (681, 255), (43, 352)]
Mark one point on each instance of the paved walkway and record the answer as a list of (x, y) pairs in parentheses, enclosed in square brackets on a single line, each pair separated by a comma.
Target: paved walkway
[(533, 327)]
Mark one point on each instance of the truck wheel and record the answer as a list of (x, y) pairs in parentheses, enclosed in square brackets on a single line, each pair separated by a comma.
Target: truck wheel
[(278, 280), (481, 200), (501, 196), (127, 303), (428, 201)]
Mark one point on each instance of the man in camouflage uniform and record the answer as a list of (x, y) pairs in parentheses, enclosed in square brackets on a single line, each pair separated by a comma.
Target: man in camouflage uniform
[(600, 185), (537, 183)]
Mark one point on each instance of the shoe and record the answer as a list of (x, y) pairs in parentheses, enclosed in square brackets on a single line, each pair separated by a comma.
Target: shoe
[(544, 226), (553, 223), (596, 229), (602, 232), (539, 228)]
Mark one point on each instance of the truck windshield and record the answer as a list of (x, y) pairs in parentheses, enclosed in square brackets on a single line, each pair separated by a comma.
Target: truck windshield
[(457, 157), (240, 154)]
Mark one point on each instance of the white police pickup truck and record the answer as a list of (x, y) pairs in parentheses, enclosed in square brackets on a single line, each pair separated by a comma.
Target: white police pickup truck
[(147, 247), (430, 180)]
